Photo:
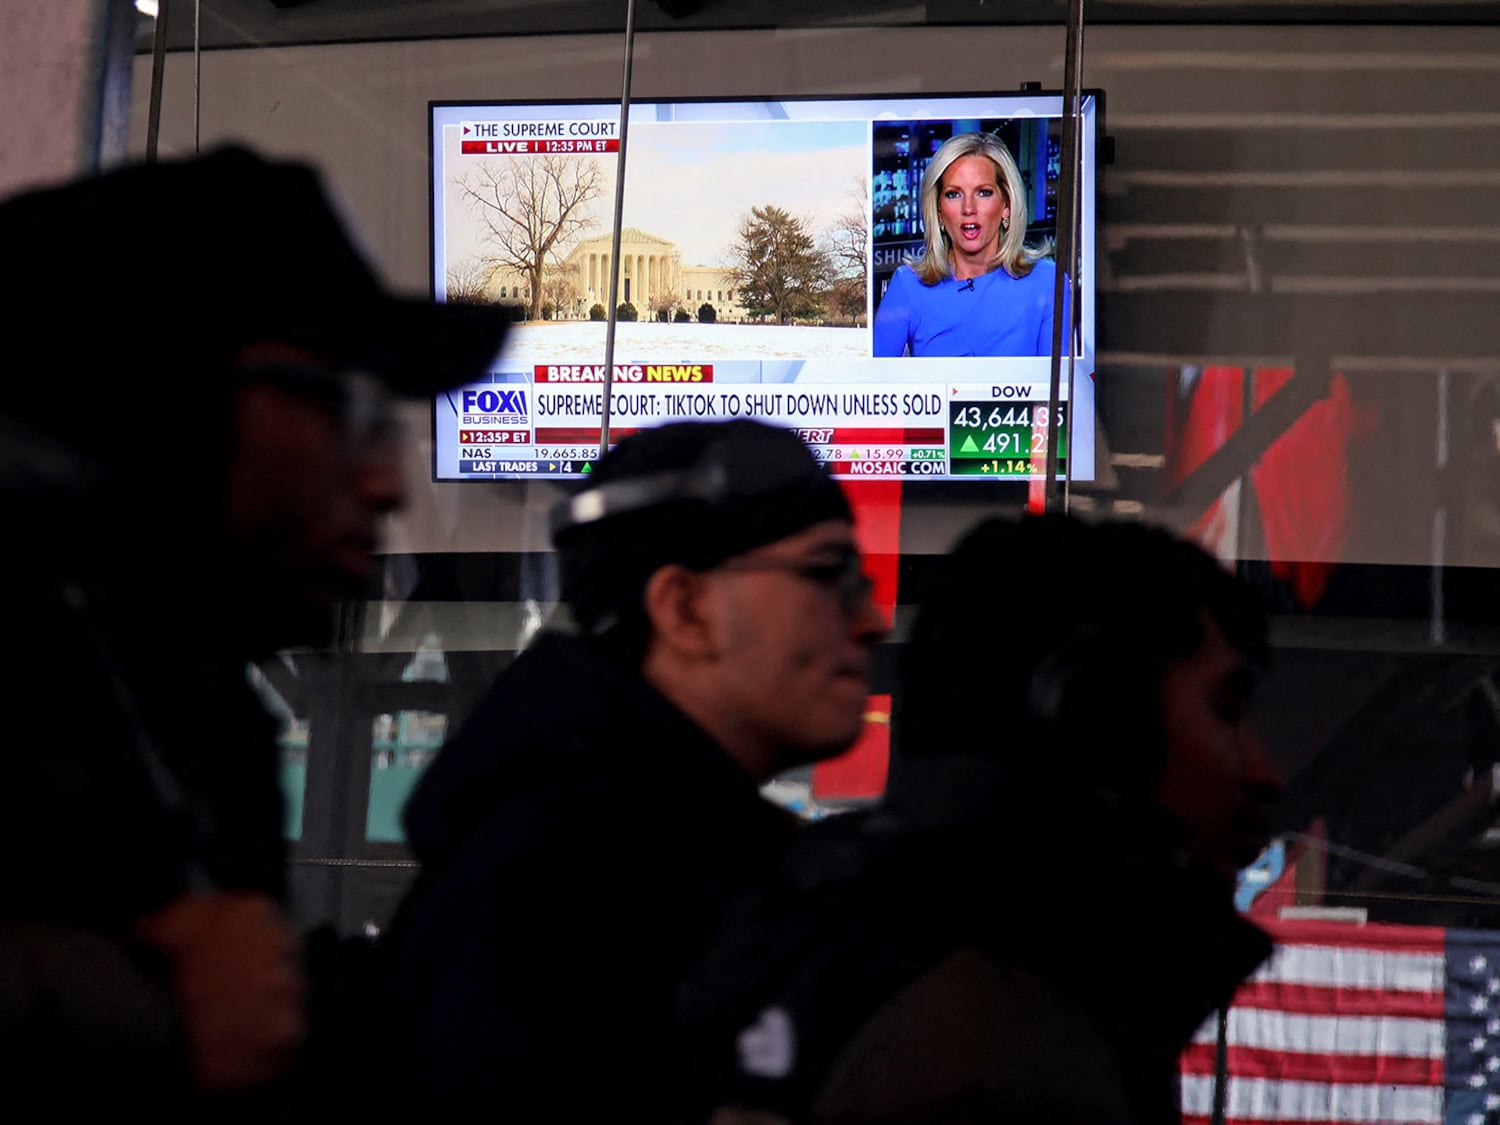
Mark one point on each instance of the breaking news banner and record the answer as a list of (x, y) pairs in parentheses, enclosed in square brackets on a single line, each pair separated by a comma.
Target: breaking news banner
[(549, 424)]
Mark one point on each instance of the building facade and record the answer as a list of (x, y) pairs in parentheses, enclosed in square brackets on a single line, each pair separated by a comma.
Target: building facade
[(651, 276)]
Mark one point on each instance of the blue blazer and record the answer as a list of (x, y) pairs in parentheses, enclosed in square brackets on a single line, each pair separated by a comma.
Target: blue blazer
[(995, 315)]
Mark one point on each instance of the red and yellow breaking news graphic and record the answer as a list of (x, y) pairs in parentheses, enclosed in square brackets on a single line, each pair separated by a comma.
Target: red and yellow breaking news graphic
[(624, 373)]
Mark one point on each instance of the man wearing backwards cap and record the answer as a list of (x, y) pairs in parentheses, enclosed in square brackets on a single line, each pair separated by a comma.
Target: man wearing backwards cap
[(585, 831), (199, 488)]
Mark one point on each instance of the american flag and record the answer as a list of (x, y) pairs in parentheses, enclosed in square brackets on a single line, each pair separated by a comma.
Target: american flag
[(1358, 1023)]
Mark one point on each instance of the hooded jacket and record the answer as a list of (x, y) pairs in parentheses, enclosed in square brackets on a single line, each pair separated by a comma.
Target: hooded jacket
[(580, 841), (962, 955)]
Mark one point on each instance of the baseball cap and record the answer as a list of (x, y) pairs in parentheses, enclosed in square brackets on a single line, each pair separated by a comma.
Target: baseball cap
[(148, 278), (694, 493)]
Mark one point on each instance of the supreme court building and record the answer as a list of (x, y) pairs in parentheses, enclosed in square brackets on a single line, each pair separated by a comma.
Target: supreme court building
[(652, 277)]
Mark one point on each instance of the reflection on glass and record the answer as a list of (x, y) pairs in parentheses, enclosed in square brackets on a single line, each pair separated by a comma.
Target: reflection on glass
[(401, 746), (402, 743), (293, 769), (292, 746)]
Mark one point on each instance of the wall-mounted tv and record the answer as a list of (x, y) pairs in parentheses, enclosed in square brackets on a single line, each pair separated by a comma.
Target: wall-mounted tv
[(769, 266)]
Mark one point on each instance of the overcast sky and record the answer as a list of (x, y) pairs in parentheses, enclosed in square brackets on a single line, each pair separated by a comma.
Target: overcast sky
[(691, 183)]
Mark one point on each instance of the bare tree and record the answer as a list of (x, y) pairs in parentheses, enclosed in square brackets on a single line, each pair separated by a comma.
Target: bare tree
[(532, 207), (848, 247), (666, 296), (561, 287), (849, 237), (467, 282), (846, 299)]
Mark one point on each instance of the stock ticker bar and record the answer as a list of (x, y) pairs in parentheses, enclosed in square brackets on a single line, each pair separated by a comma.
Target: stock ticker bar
[(537, 467), (989, 439), (812, 435), (863, 451), (983, 441)]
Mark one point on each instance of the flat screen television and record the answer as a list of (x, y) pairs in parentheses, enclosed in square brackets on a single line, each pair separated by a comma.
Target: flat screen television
[(758, 244)]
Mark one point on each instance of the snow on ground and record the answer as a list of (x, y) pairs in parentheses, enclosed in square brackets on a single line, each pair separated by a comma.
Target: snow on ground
[(582, 341)]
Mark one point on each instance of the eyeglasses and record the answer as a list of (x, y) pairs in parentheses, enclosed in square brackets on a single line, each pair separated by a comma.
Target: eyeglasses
[(844, 577), (361, 403)]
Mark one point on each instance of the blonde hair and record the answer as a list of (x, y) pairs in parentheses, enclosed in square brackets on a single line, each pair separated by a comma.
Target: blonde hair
[(1014, 256)]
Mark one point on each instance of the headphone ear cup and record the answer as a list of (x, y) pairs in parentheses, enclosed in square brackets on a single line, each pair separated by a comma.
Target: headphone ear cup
[(1099, 713), (1053, 684), (1065, 678)]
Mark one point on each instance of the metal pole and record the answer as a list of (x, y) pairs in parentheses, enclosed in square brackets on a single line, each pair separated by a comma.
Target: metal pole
[(1065, 286), (158, 64), (614, 246), (1438, 627), (197, 76), (1221, 1068), (1242, 523)]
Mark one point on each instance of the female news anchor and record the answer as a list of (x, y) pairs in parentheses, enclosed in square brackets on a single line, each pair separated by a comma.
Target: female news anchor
[(978, 289)]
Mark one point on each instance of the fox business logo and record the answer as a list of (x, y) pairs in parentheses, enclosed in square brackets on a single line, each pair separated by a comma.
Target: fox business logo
[(495, 408)]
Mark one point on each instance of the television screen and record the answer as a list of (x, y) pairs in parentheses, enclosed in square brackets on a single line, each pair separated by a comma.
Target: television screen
[(776, 261)]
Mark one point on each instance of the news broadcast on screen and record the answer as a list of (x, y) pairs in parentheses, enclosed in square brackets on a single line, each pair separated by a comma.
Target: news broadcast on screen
[(765, 269)]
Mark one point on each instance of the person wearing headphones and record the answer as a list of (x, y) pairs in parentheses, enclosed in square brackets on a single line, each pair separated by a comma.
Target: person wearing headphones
[(588, 828), (1040, 913)]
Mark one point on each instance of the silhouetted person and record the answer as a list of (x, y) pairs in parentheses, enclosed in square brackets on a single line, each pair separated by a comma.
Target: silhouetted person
[(584, 832), (198, 453), (1032, 924)]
